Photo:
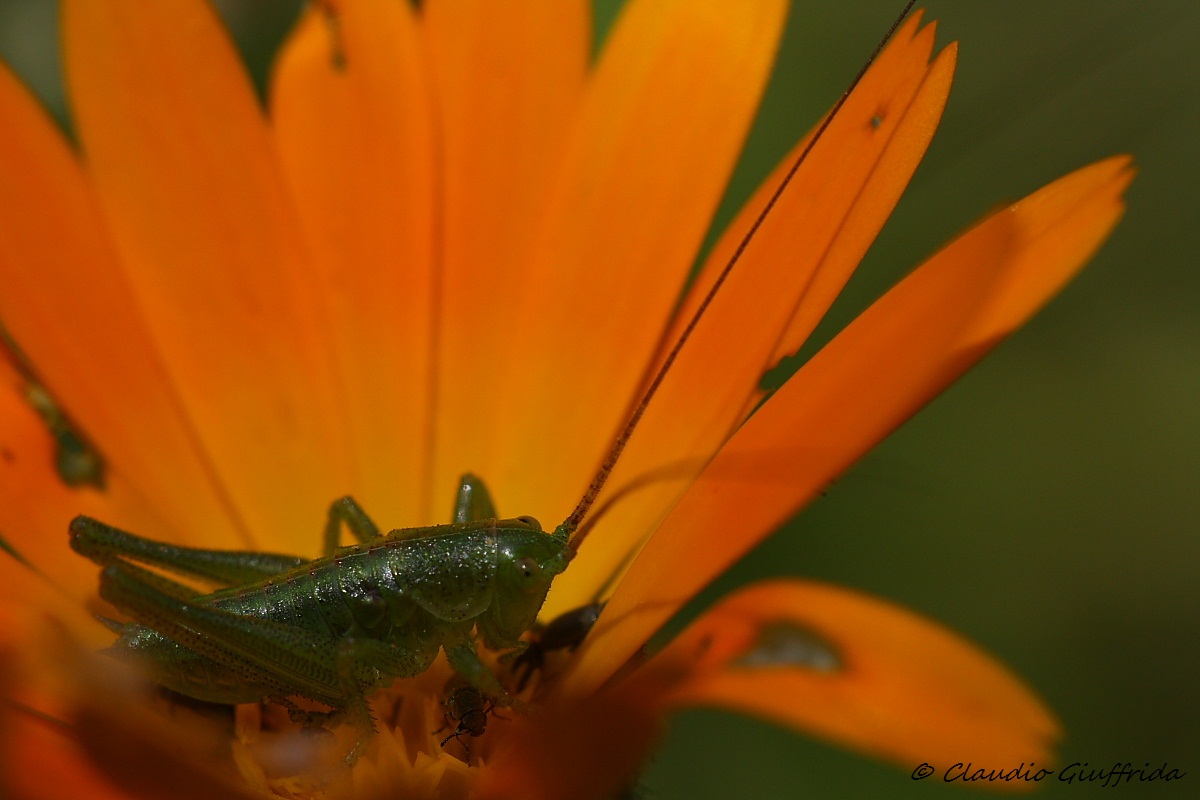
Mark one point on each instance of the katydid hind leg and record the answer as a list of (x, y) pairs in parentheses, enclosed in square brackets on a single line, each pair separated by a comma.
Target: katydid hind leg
[(277, 659), (347, 510), (104, 545), (473, 501), (283, 658)]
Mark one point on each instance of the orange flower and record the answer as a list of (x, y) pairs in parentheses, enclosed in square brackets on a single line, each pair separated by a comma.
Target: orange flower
[(451, 243)]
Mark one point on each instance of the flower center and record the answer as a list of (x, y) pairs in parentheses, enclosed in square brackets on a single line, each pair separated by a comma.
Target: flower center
[(434, 736)]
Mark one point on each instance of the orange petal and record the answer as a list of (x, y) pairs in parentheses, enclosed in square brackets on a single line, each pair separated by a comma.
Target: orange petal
[(825, 221), (873, 376), (39, 761), (150, 756), (35, 743), (865, 673), (659, 132), (101, 739), (798, 261), (67, 304), (351, 113), (185, 169), (510, 77), (579, 747), (37, 505), (28, 596)]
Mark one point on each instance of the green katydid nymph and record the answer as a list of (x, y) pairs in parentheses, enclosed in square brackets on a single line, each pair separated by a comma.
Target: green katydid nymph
[(336, 628), (340, 626)]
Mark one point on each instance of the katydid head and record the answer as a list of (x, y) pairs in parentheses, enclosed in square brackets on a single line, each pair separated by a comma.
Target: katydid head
[(527, 562)]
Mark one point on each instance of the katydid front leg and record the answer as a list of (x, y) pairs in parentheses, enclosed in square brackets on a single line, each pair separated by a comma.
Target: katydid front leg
[(464, 659), (346, 509)]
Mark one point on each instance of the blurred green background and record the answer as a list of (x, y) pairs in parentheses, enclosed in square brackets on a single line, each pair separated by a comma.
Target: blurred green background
[(1047, 505)]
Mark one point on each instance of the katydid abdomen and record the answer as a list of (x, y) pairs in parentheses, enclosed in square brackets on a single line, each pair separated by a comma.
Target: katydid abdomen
[(181, 670)]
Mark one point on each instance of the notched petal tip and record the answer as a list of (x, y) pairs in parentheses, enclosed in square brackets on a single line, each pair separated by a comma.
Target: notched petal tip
[(839, 192), (880, 370), (1057, 230)]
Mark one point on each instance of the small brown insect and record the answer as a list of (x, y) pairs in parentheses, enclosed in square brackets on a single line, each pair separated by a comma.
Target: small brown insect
[(467, 709)]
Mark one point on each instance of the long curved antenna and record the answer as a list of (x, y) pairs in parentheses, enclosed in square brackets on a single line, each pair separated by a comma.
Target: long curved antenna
[(571, 524)]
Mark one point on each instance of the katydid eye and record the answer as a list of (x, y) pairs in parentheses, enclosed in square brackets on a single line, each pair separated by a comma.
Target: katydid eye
[(531, 522), (529, 573)]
